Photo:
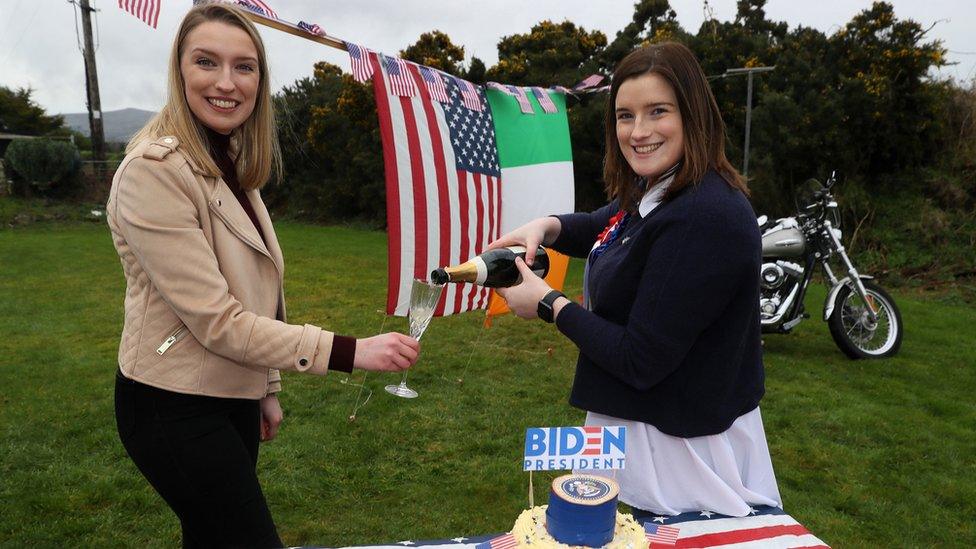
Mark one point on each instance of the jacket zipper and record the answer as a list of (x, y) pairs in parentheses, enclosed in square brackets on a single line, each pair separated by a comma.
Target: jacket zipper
[(171, 340)]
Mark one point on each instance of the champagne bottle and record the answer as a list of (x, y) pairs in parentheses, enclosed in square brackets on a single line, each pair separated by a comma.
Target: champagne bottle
[(493, 269)]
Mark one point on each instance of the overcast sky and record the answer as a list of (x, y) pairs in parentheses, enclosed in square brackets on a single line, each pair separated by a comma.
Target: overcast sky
[(39, 48)]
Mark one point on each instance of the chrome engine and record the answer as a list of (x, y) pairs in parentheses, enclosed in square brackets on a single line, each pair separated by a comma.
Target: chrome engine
[(780, 281)]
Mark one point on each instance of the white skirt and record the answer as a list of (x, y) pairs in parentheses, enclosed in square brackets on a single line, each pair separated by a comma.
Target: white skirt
[(725, 473)]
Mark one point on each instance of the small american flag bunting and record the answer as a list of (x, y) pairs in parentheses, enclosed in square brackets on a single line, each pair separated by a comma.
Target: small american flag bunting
[(362, 69), (258, 7), (469, 95), (660, 534), (311, 28), (435, 84), (504, 542), (499, 87), (544, 100), (401, 83), (146, 10), (523, 99), (589, 82)]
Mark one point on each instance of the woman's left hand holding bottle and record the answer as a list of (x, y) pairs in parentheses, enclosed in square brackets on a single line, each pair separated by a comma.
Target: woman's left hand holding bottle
[(524, 298)]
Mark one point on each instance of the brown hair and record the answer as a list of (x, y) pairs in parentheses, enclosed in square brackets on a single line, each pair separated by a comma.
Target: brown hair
[(256, 139), (704, 130)]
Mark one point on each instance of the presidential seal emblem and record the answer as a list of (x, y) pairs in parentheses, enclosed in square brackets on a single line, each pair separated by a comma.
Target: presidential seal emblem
[(585, 489)]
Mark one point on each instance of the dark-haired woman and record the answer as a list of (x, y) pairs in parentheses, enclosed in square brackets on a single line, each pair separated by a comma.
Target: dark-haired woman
[(669, 333)]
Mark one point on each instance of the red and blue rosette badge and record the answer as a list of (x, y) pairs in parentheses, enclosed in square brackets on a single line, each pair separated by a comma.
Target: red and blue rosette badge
[(613, 229)]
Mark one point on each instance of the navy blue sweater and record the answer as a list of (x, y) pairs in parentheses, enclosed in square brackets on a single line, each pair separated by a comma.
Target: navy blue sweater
[(673, 338)]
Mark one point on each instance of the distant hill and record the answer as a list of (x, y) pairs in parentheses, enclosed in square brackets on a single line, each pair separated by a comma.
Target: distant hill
[(119, 125)]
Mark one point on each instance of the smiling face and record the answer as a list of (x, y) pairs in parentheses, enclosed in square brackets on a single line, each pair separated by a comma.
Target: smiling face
[(221, 75), (649, 128)]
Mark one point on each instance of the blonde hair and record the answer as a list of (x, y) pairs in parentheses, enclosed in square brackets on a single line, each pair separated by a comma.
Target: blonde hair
[(257, 138)]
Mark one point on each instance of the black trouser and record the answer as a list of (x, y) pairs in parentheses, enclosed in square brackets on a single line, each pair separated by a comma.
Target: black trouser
[(199, 453)]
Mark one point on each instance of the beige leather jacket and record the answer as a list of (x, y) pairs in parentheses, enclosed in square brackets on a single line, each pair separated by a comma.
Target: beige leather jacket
[(204, 307)]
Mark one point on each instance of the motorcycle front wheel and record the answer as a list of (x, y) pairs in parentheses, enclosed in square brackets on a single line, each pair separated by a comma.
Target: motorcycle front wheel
[(854, 332)]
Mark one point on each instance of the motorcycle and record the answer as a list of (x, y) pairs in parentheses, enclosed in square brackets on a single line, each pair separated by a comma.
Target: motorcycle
[(863, 318)]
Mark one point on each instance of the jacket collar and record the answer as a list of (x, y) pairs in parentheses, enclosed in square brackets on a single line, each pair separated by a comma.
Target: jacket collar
[(228, 209)]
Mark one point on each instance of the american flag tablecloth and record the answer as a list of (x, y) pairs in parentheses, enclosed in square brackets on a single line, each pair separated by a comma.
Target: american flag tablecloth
[(766, 527)]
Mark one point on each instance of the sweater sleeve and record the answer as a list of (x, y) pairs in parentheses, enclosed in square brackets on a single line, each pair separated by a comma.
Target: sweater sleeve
[(578, 231), (693, 269)]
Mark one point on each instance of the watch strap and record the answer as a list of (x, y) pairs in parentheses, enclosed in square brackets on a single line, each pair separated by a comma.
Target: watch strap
[(545, 308)]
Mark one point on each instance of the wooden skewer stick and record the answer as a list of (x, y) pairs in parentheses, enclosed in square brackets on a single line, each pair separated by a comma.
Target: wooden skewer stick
[(292, 29)]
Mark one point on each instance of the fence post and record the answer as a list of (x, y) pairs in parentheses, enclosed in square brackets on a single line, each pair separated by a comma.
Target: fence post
[(4, 185)]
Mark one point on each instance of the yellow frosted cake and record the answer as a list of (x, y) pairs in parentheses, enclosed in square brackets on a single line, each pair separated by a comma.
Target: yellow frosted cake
[(582, 512)]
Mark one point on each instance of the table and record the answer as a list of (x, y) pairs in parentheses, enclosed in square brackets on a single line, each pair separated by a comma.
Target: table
[(764, 528)]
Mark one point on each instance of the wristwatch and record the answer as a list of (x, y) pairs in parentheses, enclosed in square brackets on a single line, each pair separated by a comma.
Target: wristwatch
[(545, 305)]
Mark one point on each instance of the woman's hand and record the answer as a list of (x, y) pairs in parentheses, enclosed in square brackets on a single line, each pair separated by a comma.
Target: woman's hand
[(524, 299), (271, 416), (390, 352), (538, 231)]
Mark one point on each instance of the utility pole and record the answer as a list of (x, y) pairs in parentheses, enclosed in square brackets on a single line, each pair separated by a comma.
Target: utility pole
[(91, 83), (747, 71)]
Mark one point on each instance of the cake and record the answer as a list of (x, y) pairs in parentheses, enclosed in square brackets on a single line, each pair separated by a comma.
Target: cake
[(530, 531), (582, 512)]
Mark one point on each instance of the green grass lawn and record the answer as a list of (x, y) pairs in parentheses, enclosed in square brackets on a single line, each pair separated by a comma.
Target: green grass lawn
[(867, 453)]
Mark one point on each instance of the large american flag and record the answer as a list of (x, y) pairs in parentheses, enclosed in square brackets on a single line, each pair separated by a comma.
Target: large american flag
[(443, 185), (147, 10)]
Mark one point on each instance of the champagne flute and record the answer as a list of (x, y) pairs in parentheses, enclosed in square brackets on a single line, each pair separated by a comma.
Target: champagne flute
[(423, 300)]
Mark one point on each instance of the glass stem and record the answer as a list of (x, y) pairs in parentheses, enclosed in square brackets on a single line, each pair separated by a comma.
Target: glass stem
[(403, 382)]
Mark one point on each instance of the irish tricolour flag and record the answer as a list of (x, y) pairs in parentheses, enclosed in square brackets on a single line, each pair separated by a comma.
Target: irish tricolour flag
[(536, 160)]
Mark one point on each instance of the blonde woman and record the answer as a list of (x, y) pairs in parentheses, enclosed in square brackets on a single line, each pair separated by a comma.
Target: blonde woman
[(204, 333)]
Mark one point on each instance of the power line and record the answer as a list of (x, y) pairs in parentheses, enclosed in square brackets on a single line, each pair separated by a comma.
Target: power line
[(98, 34), (23, 32), (748, 71), (12, 18), (74, 6)]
